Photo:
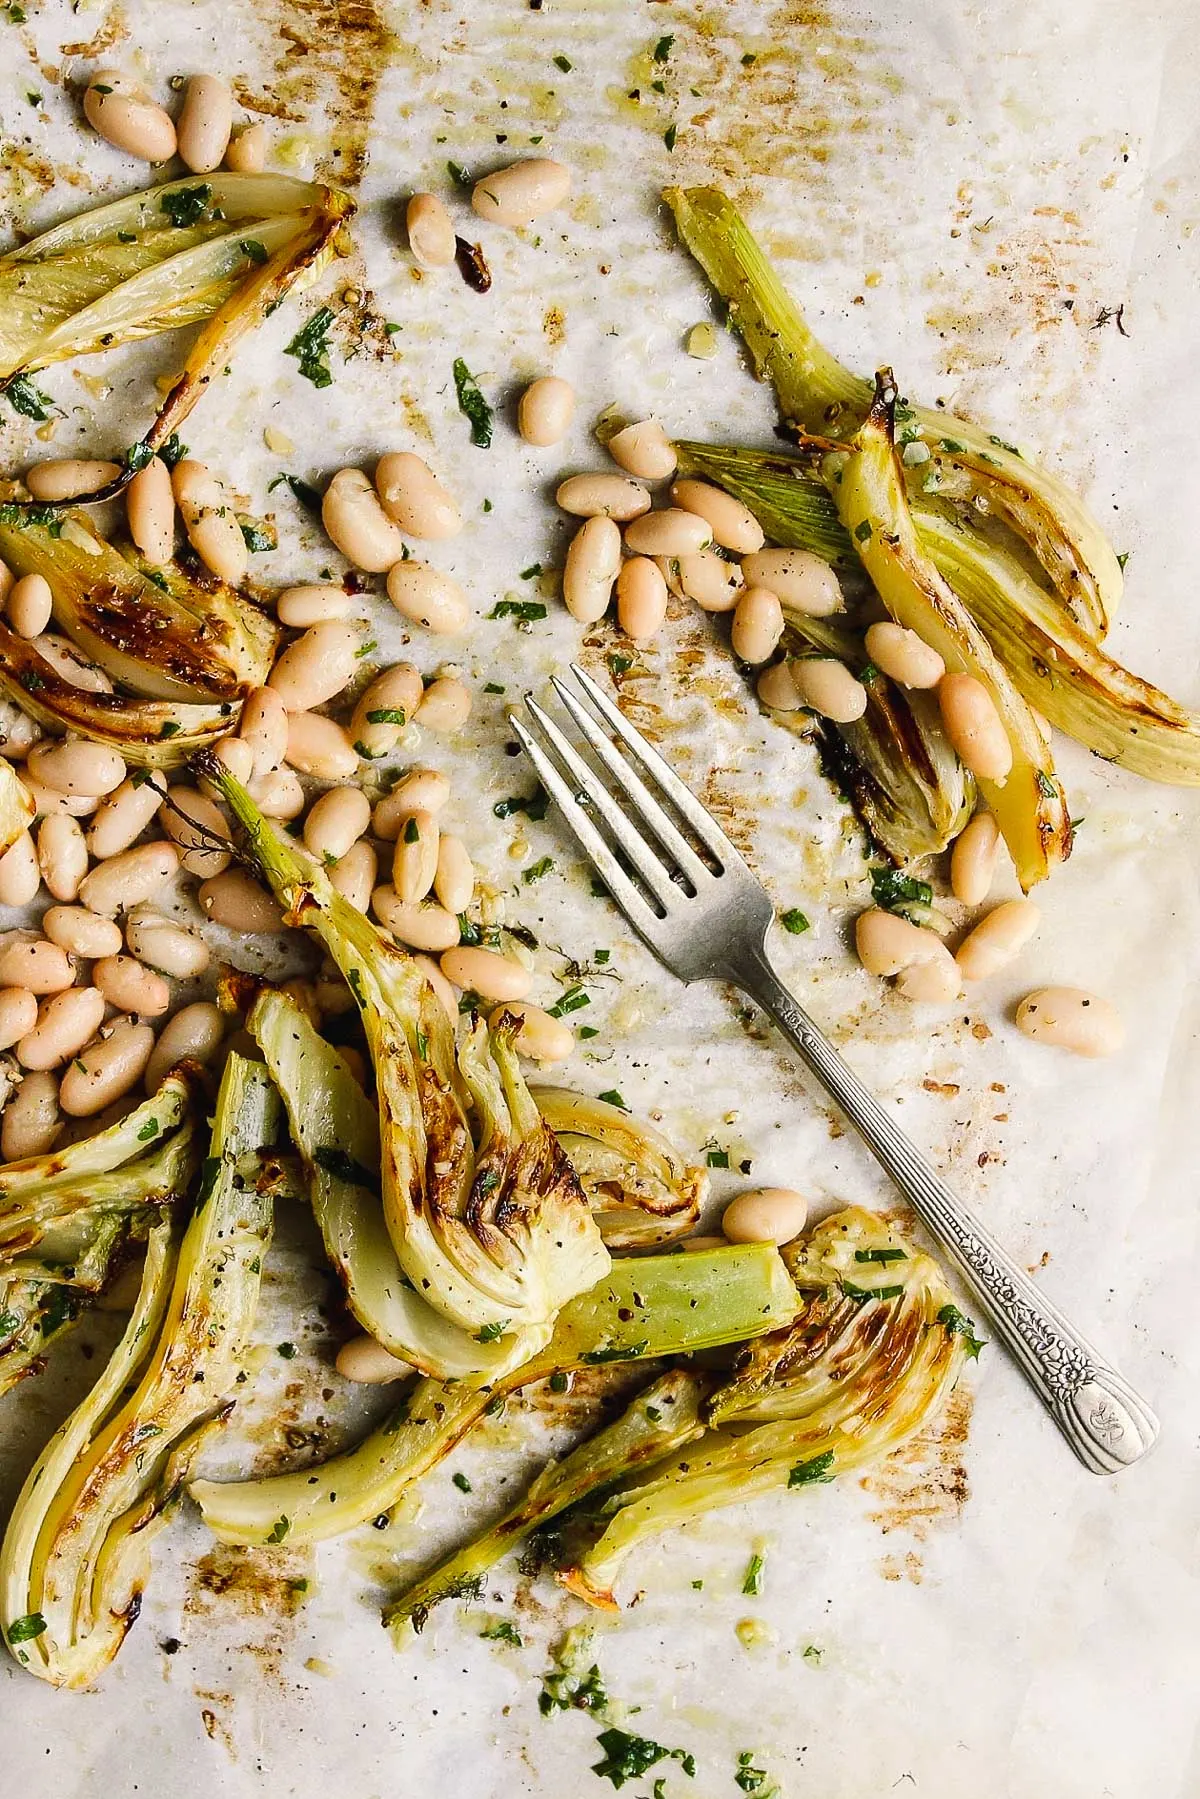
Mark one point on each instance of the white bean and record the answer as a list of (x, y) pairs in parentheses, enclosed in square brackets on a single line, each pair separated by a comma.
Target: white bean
[(20, 873), (107, 1070), (63, 1024), (428, 597), (125, 880), (425, 926), (355, 875), (279, 794), (767, 1215), (66, 661), (31, 1119), (127, 118), (997, 939), (47, 799), (776, 689), (454, 882), (412, 495), (545, 411), (264, 726), (150, 507), (974, 726), (714, 584), (385, 709), (205, 121), (122, 817), (247, 150), (166, 947), (337, 820), (355, 521), (484, 972), (644, 450), (235, 899), (35, 963), (757, 625), (424, 790), (62, 855), (317, 666), (446, 705), (29, 605), (235, 755), (431, 236), (733, 525), (210, 521), (672, 532), (801, 580), (130, 987), (195, 1033), (933, 979), (415, 861), (537, 1035), (603, 496), (369, 1363), (68, 479), (18, 732), (903, 655), (973, 859), (76, 766), (319, 746), (299, 607), (641, 598), (593, 564), (522, 192), (80, 932), (826, 685), (18, 1014), (1071, 1018), (199, 830), (887, 943)]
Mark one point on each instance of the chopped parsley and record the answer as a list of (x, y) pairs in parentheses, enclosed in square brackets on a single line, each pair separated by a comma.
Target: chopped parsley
[(187, 205), (310, 347), (23, 1630), (148, 1131), (534, 806), (137, 456), (862, 531), (494, 687), (564, 63), (412, 831), (387, 715), (717, 1158), (588, 1030), (616, 1352), (794, 921), (853, 1292), (893, 890), (342, 1166), (472, 405), (613, 1098), (252, 249), (752, 1585), (490, 1333), (286, 1350), (279, 1530), (307, 496), (28, 400), (258, 538), (504, 1632), (524, 611), (536, 870), (1045, 786), (461, 1482), (670, 135), (172, 451), (627, 1757), (619, 663), (532, 572), (460, 175), (564, 1690), (751, 1779), (817, 1468), (881, 1255), (662, 50), (573, 1000), (959, 1325)]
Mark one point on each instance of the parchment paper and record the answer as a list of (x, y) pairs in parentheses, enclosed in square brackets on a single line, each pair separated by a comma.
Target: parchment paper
[(970, 193)]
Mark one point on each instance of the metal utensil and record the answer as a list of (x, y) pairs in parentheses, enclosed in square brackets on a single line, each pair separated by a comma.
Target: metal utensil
[(690, 896)]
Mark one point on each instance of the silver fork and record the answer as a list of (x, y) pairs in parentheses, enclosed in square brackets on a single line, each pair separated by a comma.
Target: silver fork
[(709, 920)]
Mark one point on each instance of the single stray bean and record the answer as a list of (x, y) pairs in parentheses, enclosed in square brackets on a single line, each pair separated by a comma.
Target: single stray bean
[(235, 899), (827, 686), (426, 926), (52, 482), (517, 195), (150, 508), (205, 121), (125, 880), (412, 495), (644, 450), (210, 521), (317, 666), (80, 932), (603, 496), (431, 236), (672, 532), (446, 705), (903, 655), (356, 522), (545, 411), (1071, 1018), (125, 116), (757, 625), (319, 746), (428, 597), (32, 1121), (801, 580), (767, 1215), (364, 1360), (484, 972), (733, 525), (641, 598), (20, 872)]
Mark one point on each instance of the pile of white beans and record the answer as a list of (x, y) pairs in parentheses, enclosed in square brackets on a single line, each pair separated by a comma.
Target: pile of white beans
[(515, 196), (120, 110)]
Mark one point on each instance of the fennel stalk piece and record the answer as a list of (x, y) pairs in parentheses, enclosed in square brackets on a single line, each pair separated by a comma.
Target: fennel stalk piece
[(17, 810)]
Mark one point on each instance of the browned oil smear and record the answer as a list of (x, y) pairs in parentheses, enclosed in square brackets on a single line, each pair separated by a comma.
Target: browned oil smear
[(909, 1567), (113, 29), (214, 1724), (554, 327), (331, 54), (923, 1485), (250, 1596)]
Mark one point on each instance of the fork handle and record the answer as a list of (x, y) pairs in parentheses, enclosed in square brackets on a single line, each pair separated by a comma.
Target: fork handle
[(1103, 1419)]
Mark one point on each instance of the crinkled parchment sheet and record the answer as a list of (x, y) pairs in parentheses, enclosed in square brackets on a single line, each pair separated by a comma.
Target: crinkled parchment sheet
[(969, 193)]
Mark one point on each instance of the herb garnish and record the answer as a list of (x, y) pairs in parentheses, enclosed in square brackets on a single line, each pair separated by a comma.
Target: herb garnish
[(959, 1325), (473, 405), (817, 1468), (187, 205), (627, 1757), (310, 346), (342, 1166), (28, 400)]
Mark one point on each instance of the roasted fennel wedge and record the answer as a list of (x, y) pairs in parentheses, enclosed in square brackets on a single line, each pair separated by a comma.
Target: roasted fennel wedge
[(640, 1191), (76, 1554), (645, 1307)]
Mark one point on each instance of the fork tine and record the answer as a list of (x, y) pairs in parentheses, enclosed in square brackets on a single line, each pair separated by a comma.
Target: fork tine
[(682, 798), (635, 789), (586, 835), (657, 878)]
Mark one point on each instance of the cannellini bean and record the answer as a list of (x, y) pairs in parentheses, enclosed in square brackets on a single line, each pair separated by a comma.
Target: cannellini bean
[(887, 943), (973, 859), (166, 947), (767, 1215), (1071, 1018), (934, 979), (385, 708), (672, 532), (337, 820), (125, 116), (447, 995), (485, 972), (317, 666), (235, 755), (205, 121), (125, 880), (279, 794), (545, 411), (641, 598), (68, 479), (826, 685), (356, 522), (412, 495), (210, 521), (733, 525), (80, 932), (63, 1023), (107, 1070), (18, 732), (446, 705), (714, 584), (130, 987), (20, 873), (903, 655), (247, 150), (801, 580), (235, 899), (776, 689), (974, 726), (355, 875), (66, 661), (76, 766), (369, 1363), (194, 1034), (32, 1122), (997, 939), (300, 607), (757, 625), (47, 799), (425, 926), (431, 236), (122, 817), (424, 790), (264, 726), (29, 605), (415, 861), (603, 496), (592, 565), (150, 507), (18, 1013), (35, 963), (522, 192), (537, 1035), (319, 746), (454, 882), (644, 450), (199, 830), (428, 597), (62, 855)]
